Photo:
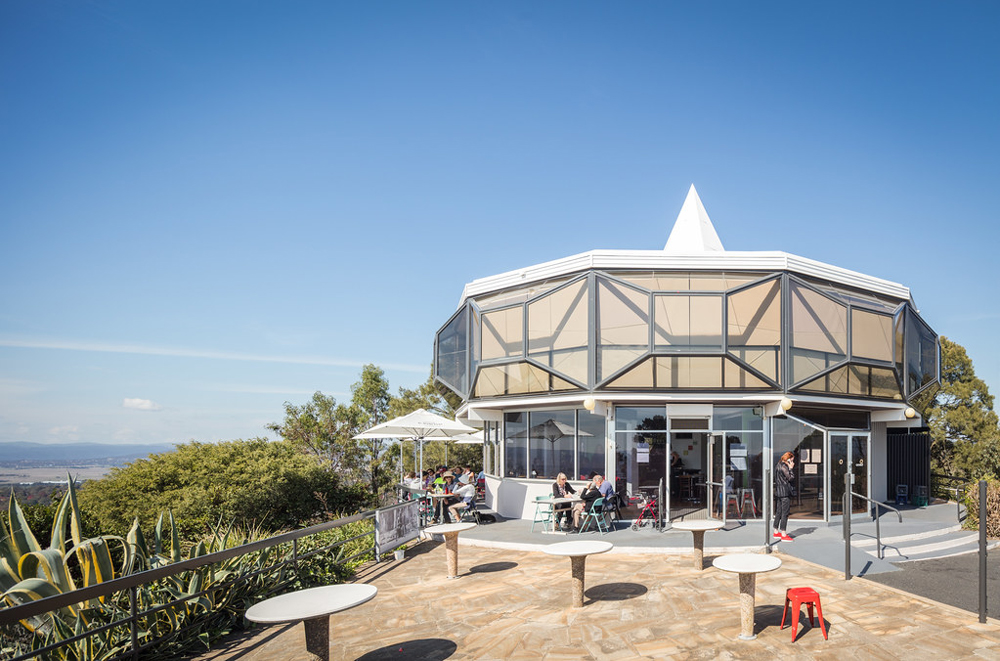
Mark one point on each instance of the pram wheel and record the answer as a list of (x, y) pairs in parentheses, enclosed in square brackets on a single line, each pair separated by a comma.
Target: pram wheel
[(635, 526)]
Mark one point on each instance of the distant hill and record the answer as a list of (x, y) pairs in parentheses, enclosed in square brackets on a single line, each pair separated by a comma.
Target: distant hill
[(67, 452)]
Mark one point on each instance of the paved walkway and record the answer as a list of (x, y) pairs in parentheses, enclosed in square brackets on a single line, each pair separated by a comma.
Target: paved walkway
[(512, 604)]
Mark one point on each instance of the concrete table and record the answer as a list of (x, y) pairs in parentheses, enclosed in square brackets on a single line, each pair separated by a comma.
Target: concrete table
[(450, 533), (577, 553), (747, 565), (698, 528), (437, 499), (313, 607)]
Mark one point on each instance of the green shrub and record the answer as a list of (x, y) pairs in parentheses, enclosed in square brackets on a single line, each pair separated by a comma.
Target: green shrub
[(254, 483)]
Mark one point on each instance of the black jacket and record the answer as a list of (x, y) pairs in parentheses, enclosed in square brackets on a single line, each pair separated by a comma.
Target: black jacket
[(555, 489), (783, 478)]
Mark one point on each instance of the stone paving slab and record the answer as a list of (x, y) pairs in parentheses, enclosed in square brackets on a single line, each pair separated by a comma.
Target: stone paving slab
[(514, 605)]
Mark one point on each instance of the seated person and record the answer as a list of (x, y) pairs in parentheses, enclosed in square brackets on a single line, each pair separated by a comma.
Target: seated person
[(561, 488), (595, 489), (467, 492), (441, 503)]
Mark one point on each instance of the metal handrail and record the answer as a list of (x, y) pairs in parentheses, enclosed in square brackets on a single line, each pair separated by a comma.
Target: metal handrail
[(132, 582), (963, 482), (877, 519)]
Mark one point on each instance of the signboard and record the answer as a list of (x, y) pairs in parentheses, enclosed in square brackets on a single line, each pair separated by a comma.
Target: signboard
[(396, 525)]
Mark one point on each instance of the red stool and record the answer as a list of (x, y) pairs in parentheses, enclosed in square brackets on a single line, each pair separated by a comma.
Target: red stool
[(797, 597)]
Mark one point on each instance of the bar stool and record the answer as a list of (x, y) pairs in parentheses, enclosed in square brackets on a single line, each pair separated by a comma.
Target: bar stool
[(797, 597)]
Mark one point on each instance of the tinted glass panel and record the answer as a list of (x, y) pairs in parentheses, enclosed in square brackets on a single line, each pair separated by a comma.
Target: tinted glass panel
[(503, 333), (453, 351), (551, 442), (683, 281), (622, 326), (687, 322), (515, 444), (517, 294), (819, 332), (557, 330), (590, 440), (517, 379), (754, 327), (806, 443), (737, 418), (871, 335)]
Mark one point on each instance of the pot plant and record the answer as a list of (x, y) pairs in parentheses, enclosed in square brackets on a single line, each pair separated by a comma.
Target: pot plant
[(399, 552)]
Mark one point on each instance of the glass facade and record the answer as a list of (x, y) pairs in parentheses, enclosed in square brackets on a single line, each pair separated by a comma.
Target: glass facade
[(541, 444), (664, 331)]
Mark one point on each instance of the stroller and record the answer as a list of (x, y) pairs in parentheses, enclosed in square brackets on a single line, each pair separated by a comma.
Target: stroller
[(648, 513)]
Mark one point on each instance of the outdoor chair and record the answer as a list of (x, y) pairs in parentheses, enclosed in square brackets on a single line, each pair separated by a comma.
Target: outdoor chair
[(595, 514), (543, 513), (920, 498), (612, 507)]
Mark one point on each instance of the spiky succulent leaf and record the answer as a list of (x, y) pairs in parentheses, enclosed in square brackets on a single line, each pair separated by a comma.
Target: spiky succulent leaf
[(19, 534), (50, 565)]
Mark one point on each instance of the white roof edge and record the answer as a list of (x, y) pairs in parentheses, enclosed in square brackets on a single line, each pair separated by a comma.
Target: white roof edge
[(639, 397), (658, 259)]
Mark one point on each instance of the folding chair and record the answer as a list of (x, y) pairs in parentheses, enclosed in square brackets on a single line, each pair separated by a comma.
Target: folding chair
[(595, 514), (543, 513)]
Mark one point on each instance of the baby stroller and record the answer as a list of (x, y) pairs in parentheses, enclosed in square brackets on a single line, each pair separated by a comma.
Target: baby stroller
[(648, 513)]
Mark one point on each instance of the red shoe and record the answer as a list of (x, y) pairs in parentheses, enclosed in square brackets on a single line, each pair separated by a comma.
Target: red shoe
[(786, 538), (778, 535)]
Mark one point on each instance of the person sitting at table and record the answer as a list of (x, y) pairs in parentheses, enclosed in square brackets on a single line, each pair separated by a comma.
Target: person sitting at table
[(442, 503), (590, 494), (561, 488), (467, 492)]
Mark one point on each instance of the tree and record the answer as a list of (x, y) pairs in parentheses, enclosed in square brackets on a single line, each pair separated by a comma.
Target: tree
[(251, 483), (429, 395), (965, 431), (325, 430), (370, 403)]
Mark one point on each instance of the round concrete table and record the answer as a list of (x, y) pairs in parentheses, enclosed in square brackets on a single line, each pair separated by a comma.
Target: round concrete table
[(577, 553), (450, 533), (313, 607), (747, 565), (698, 528)]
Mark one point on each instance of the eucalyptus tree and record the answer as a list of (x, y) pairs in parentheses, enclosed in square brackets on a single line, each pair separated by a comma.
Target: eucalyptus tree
[(965, 431)]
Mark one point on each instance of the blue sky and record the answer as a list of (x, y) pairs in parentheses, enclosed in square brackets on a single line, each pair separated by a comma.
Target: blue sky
[(210, 208)]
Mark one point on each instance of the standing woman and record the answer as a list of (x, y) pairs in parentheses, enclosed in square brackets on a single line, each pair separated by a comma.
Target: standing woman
[(783, 492)]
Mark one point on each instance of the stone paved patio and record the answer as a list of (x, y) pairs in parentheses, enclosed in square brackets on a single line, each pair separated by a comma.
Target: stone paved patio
[(513, 605)]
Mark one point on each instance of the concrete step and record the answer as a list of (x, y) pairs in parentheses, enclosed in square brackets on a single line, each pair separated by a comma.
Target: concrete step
[(940, 543)]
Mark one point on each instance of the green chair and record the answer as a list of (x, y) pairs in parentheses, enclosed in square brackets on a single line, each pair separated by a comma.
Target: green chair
[(543, 513), (597, 515)]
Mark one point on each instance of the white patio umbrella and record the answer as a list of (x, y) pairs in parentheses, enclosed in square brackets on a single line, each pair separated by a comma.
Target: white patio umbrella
[(420, 425)]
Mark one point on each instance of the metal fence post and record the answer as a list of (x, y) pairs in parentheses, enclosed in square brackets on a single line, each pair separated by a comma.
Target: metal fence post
[(133, 615), (847, 526), (982, 551)]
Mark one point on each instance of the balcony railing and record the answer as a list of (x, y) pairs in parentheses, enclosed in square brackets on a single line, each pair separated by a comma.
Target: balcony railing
[(133, 582)]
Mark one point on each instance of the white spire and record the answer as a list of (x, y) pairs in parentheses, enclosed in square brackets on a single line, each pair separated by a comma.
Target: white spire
[(693, 231)]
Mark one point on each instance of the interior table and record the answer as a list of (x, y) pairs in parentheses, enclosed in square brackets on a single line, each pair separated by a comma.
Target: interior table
[(313, 607), (747, 565), (450, 533), (577, 553), (698, 528)]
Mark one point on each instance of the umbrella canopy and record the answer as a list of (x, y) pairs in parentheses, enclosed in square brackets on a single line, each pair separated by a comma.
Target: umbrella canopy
[(420, 425), (470, 439)]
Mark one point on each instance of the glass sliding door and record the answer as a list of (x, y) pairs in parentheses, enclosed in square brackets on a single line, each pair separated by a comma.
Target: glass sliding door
[(806, 442), (848, 453)]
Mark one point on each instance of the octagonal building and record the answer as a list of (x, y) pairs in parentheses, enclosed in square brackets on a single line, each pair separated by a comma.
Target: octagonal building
[(691, 370)]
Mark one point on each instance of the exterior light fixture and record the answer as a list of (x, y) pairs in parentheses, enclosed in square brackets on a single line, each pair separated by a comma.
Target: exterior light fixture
[(910, 412), (589, 403), (785, 403)]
